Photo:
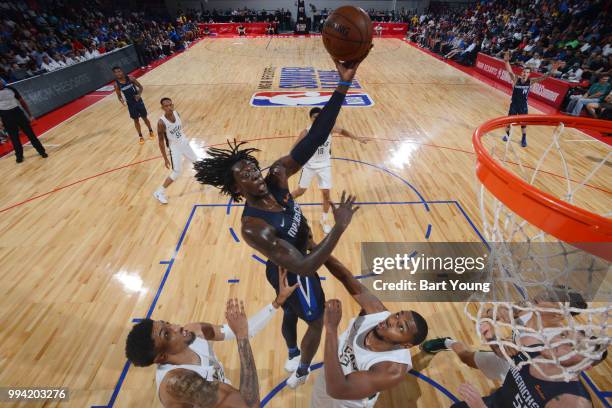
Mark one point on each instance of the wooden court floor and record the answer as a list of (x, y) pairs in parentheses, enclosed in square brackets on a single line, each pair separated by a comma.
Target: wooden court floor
[(77, 265)]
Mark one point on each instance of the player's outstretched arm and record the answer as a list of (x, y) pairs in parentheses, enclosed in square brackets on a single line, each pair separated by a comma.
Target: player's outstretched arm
[(508, 67), (553, 68), (324, 123), (249, 383), (366, 299), (359, 384), (261, 236)]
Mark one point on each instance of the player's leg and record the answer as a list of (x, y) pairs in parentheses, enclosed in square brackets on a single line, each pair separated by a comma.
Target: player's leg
[(137, 126), (289, 331), (176, 159), (142, 111), (309, 346), (306, 176), (524, 136), (324, 179)]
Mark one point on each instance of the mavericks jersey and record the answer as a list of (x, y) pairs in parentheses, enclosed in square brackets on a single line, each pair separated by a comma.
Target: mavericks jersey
[(174, 130), (209, 368), (129, 91), (322, 158)]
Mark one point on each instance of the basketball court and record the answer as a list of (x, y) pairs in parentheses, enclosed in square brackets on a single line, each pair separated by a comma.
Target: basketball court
[(90, 251)]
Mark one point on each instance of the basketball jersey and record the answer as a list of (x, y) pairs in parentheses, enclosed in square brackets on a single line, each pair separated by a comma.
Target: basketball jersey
[(129, 91), (520, 93), (291, 226), (353, 354), (209, 368), (521, 389), (174, 130), (322, 157)]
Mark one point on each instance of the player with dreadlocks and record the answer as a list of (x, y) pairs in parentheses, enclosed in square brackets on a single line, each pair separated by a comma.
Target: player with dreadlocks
[(273, 223)]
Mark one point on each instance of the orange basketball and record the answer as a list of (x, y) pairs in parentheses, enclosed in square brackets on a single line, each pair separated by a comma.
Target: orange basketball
[(347, 33)]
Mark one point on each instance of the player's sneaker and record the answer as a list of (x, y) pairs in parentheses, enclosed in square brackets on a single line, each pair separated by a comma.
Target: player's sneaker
[(151, 135), (141, 140), (294, 381), (161, 197), (434, 346), (292, 364), (505, 138)]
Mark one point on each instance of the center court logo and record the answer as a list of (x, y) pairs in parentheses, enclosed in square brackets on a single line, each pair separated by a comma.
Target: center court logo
[(304, 86)]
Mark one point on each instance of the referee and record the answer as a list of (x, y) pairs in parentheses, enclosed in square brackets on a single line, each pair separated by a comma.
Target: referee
[(12, 107)]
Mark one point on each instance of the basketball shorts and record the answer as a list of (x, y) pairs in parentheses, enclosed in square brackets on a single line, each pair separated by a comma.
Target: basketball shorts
[(323, 175), (491, 365), (518, 110), (307, 302), (320, 399), (137, 110), (178, 150)]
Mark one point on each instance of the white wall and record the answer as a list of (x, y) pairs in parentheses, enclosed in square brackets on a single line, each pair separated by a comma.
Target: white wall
[(173, 5)]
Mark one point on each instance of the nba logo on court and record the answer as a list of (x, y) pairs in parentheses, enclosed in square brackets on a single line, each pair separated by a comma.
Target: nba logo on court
[(306, 98)]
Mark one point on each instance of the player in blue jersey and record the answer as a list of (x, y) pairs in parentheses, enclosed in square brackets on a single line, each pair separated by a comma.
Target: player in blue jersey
[(132, 96), (273, 223), (520, 92)]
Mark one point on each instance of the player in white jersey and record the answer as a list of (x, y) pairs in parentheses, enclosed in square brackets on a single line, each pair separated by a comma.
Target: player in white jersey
[(371, 356), (188, 372), (320, 166), (170, 135)]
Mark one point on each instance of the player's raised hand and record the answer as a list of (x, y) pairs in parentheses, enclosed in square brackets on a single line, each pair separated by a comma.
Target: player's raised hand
[(284, 289), (237, 318), (333, 314), (347, 69), (343, 212), (471, 396)]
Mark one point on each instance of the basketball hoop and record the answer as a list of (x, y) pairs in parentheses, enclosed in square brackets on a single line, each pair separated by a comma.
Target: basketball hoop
[(547, 249)]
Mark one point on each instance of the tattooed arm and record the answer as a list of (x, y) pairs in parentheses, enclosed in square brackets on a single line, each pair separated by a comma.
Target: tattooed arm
[(183, 388), (249, 384)]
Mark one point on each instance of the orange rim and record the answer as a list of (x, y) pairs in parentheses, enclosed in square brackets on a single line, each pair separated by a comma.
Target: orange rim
[(566, 222)]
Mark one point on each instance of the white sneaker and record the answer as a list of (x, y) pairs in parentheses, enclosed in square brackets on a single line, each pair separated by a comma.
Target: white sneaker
[(161, 197), (292, 364), (326, 227), (294, 381)]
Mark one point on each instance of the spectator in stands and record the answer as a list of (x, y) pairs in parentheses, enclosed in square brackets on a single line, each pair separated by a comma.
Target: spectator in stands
[(49, 65), (601, 110), (92, 52), (534, 62), (595, 94), (241, 30)]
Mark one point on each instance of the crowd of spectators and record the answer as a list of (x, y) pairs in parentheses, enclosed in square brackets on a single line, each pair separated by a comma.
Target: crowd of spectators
[(577, 33), (58, 33), (281, 17)]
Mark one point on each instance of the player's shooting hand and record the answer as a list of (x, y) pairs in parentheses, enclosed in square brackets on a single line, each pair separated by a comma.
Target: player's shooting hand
[(333, 314), (284, 290), (471, 396), (343, 212), (236, 318), (347, 69)]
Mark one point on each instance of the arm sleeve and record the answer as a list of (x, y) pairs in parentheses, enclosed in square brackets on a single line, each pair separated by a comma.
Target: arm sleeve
[(321, 128), (256, 323)]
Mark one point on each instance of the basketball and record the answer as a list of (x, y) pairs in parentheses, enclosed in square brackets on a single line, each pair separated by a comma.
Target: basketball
[(347, 33)]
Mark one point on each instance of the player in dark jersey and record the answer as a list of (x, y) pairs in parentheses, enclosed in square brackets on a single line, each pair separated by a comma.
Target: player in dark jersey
[(132, 91), (532, 387), (273, 223), (520, 93)]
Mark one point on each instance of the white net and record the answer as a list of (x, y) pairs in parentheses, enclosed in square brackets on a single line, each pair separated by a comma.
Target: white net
[(551, 300)]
